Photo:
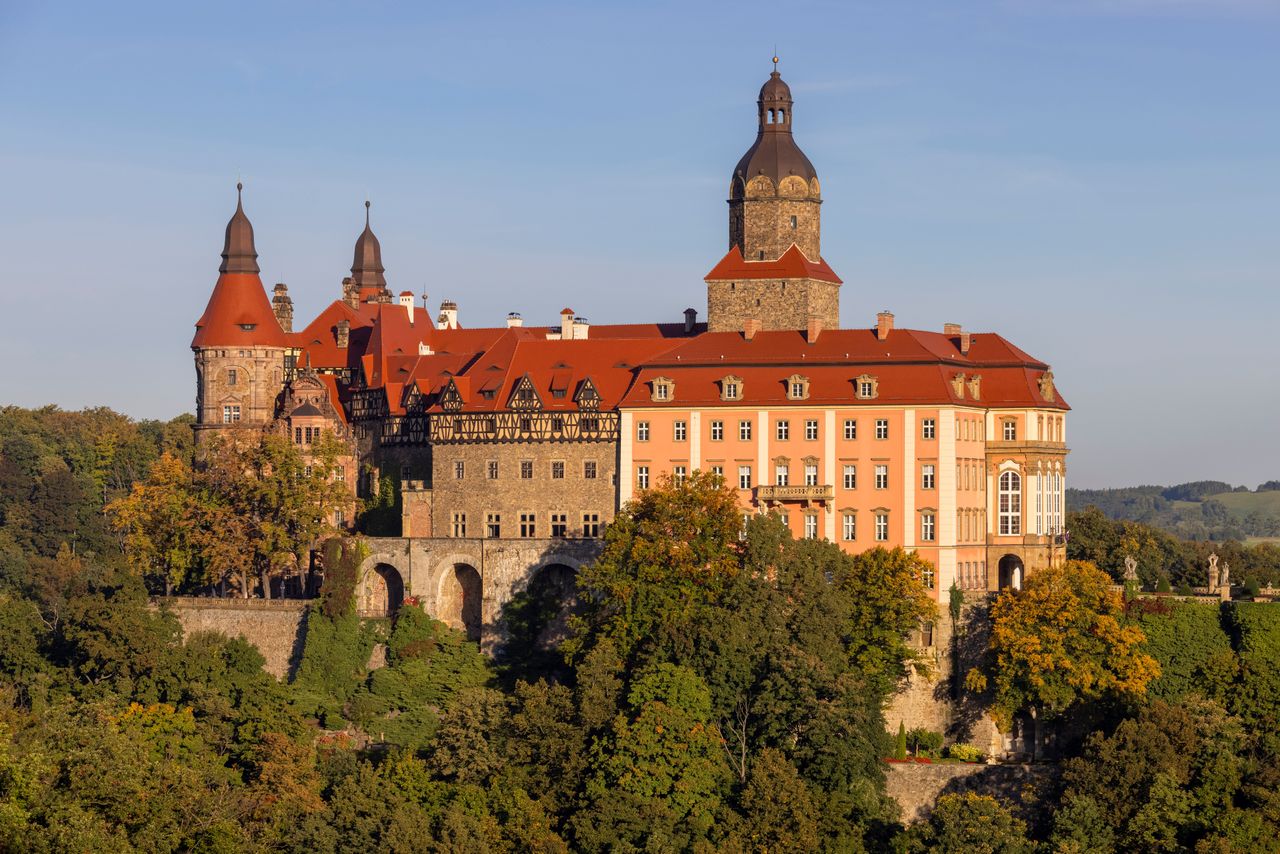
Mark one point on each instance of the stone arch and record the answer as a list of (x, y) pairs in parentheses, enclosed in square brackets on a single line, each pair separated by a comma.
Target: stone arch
[(1011, 571), (383, 592), (552, 587), (793, 186), (460, 597), (760, 185)]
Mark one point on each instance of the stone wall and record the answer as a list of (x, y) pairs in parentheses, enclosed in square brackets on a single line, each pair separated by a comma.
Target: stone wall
[(776, 303), (275, 627), (250, 378), (478, 496), (916, 787)]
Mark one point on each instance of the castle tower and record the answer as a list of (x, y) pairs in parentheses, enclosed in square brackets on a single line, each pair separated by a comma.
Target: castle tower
[(239, 346), (774, 205), (366, 268)]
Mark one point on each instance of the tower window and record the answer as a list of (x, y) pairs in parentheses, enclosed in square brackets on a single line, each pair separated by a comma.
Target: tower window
[(793, 222), (231, 376)]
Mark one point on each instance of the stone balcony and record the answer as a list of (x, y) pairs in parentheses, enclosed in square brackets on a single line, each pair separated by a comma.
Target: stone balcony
[(820, 493)]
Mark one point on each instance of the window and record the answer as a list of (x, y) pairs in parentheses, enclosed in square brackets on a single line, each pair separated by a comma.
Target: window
[(231, 413), (679, 473), (882, 477), (811, 428), (811, 474), (717, 431), (927, 476), (928, 524), (297, 435), (797, 386), (718, 471), (589, 469), (810, 526), (340, 474), (866, 387), (681, 431), (1010, 504), (850, 477), (557, 424), (459, 469), (590, 524), (459, 524), (662, 389), (783, 430), (744, 477), (405, 472), (528, 525), (493, 469), (557, 469), (928, 577), (559, 524), (782, 474), (1011, 431), (882, 527), (744, 431), (928, 429), (231, 376), (642, 477), (850, 527), (526, 469), (642, 431), (882, 428), (493, 525), (850, 429), (793, 222), (731, 388)]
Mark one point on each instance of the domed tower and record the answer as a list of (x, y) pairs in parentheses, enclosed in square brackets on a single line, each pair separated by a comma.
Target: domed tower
[(239, 346), (774, 272), (366, 268), (774, 196)]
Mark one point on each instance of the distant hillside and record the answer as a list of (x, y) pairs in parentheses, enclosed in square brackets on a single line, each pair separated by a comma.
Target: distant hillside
[(1200, 510)]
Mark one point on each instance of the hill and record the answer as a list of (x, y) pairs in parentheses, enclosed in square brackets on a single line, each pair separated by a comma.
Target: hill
[(1200, 510)]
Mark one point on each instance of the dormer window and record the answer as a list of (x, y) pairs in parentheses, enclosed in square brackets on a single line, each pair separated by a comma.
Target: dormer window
[(797, 387), (664, 389), (731, 388), (866, 387), (248, 327), (975, 386)]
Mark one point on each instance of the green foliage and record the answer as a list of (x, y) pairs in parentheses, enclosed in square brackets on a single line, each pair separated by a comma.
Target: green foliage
[(1255, 629), (335, 658), (964, 752), (1191, 646), (343, 557), (970, 824), (380, 513), (924, 742)]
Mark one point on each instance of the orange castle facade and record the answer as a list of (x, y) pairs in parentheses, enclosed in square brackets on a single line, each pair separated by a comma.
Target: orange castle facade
[(949, 443)]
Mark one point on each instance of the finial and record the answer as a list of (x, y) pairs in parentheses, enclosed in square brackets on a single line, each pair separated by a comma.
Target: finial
[(775, 58), (367, 203)]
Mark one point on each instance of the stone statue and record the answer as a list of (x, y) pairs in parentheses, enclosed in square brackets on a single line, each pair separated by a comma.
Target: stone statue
[(1213, 572), (1225, 580), (1130, 568)]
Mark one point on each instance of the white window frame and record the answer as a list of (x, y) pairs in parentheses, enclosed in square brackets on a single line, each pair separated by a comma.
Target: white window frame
[(850, 477), (882, 428), (1009, 506), (882, 477), (811, 429), (849, 527), (928, 476), (850, 429)]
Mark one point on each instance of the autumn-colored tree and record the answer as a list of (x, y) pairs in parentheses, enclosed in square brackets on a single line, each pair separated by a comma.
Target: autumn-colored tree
[(157, 523), (1060, 640)]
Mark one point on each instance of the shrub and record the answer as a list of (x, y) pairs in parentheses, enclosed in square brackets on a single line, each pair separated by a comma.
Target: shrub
[(924, 741), (900, 743), (964, 753)]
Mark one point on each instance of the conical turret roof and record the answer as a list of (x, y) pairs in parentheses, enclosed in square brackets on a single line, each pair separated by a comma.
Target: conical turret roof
[(366, 269)]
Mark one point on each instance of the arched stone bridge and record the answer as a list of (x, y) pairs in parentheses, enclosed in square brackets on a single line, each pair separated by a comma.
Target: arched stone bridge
[(463, 582)]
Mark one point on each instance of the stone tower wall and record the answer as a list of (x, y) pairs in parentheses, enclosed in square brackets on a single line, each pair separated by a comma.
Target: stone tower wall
[(259, 379), (762, 227), (776, 303)]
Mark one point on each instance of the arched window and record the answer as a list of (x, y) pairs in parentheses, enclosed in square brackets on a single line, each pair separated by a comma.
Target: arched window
[(1010, 504)]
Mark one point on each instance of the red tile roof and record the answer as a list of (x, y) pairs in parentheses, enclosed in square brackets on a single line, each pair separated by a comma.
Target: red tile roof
[(238, 315), (792, 265)]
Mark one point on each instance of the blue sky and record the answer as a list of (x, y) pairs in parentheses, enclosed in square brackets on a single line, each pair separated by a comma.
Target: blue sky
[(1098, 180)]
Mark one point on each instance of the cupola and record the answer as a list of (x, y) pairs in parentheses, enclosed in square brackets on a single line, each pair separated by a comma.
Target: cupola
[(366, 269)]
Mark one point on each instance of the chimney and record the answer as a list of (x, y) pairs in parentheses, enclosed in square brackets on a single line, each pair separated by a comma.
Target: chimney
[(690, 320), (350, 293), (282, 305), (566, 324), (514, 319), (750, 327), (406, 300), (965, 340), (951, 330), (344, 333), (884, 324), (448, 315), (814, 329), (580, 328)]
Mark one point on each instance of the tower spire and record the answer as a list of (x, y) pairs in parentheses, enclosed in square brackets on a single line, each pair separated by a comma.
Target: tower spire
[(238, 252), (366, 268)]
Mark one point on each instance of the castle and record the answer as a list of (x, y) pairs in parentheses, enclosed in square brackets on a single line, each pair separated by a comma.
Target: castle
[(513, 445)]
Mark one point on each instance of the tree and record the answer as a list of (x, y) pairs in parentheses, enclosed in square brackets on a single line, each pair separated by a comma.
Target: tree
[(971, 824), (1062, 639), (157, 524)]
